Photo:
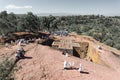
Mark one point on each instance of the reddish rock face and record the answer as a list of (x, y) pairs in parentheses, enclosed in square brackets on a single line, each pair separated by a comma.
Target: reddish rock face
[(47, 63)]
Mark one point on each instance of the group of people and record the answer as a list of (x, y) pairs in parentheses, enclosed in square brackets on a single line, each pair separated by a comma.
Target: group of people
[(70, 65), (20, 53)]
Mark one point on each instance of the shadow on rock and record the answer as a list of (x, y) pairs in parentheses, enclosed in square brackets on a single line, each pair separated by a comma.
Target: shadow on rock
[(71, 68), (27, 57), (84, 72)]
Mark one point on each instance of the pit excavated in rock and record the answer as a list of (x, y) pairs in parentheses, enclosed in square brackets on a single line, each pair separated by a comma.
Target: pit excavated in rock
[(46, 63)]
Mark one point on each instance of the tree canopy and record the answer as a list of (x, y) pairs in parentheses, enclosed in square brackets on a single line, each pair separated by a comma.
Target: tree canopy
[(105, 29)]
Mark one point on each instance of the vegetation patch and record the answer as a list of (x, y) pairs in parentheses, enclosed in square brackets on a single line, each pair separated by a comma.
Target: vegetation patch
[(7, 68), (105, 29)]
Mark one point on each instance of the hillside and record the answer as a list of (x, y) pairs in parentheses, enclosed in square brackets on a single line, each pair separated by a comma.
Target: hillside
[(105, 29), (46, 63)]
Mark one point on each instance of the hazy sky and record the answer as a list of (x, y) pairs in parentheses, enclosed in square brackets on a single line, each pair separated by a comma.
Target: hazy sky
[(105, 7)]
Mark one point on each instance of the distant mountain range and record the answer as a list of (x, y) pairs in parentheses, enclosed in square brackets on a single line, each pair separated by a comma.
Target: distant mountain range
[(54, 14), (69, 14)]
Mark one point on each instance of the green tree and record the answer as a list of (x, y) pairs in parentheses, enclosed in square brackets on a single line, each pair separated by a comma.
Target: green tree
[(29, 22)]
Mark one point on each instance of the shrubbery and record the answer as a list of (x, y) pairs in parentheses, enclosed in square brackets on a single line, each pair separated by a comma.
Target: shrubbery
[(7, 67)]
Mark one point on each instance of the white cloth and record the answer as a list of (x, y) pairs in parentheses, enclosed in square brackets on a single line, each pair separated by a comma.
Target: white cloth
[(65, 64), (80, 68), (17, 55), (66, 54)]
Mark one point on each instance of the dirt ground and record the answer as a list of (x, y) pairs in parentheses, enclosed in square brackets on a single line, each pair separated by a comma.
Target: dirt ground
[(46, 63)]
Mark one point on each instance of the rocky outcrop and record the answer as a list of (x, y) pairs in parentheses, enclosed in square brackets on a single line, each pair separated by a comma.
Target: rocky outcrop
[(46, 63), (93, 55)]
